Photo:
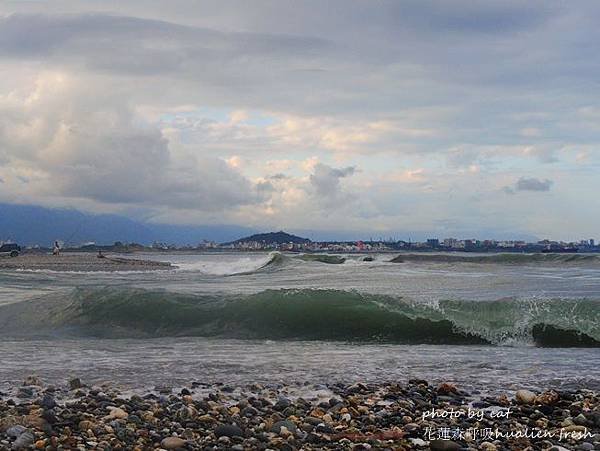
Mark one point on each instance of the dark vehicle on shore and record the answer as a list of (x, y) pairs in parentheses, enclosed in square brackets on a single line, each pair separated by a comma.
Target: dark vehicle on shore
[(10, 250)]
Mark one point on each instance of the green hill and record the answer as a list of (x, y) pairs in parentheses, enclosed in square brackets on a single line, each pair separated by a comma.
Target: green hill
[(273, 238)]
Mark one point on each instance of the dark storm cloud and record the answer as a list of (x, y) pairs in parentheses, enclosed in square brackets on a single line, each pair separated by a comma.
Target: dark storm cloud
[(533, 184), (529, 184), (471, 17), (345, 57), (138, 46)]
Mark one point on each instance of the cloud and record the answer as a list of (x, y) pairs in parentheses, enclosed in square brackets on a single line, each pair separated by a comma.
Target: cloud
[(533, 184), (543, 154), (530, 132), (530, 184), (407, 176), (236, 67), (255, 112), (278, 176), (136, 45), (461, 157), (66, 144), (326, 180)]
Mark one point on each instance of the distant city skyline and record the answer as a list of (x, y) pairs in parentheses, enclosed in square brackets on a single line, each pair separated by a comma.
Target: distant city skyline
[(38, 226), (388, 118)]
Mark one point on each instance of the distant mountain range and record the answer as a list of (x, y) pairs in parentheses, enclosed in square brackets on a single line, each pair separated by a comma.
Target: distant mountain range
[(33, 225), (273, 238)]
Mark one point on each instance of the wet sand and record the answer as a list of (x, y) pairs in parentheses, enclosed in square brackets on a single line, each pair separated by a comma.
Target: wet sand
[(85, 262)]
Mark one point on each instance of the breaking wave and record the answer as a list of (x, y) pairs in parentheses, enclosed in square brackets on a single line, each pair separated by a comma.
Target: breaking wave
[(245, 265), (250, 265), (323, 258), (276, 260), (505, 258), (306, 314)]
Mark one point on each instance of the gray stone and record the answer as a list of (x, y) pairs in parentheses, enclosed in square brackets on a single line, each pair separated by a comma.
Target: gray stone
[(580, 420), (282, 404), (286, 424), (228, 430), (75, 384), (313, 420), (15, 431), (32, 380), (48, 402), (25, 440), (25, 392), (444, 445), (173, 443), (525, 397)]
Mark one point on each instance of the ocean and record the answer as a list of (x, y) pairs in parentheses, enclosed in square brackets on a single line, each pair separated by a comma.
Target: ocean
[(488, 322)]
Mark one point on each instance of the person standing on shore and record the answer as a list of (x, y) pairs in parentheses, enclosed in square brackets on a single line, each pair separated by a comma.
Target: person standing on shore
[(56, 250)]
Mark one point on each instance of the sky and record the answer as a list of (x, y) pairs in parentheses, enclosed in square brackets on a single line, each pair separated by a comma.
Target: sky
[(449, 118)]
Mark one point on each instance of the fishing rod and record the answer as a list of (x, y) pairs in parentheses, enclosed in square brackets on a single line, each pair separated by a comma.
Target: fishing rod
[(76, 231)]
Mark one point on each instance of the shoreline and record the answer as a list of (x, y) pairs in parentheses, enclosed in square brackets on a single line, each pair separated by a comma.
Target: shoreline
[(360, 416), (79, 262)]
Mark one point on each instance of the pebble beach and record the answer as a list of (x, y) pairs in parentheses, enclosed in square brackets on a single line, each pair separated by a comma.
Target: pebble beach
[(413, 415)]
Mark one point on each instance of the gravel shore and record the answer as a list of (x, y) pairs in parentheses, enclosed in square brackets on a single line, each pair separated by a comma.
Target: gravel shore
[(81, 262), (354, 417)]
